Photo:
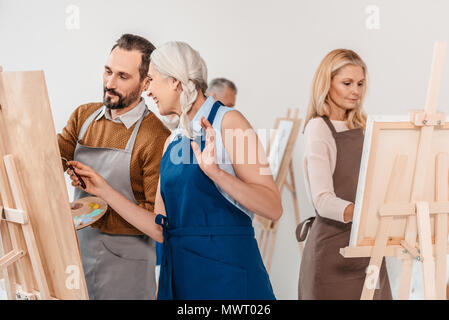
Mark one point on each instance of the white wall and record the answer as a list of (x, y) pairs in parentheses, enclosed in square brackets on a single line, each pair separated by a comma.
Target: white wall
[(269, 48)]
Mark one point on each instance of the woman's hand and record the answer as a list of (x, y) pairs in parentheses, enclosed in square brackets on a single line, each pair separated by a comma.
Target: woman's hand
[(348, 213), (207, 159), (95, 184)]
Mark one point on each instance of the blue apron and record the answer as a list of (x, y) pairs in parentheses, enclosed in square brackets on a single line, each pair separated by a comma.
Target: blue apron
[(209, 249)]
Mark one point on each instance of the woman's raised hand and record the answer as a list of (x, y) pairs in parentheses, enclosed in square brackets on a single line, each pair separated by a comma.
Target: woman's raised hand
[(207, 158)]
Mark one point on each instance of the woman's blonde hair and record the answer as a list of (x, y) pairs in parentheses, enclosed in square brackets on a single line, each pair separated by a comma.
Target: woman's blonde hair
[(328, 68), (180, 61)]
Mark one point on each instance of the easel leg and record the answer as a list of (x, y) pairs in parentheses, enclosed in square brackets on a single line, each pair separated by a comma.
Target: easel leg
[(9, 243), (441, 224), (293, 190), (22, 270), (28, 233), (8, 273), (441, 249), (25, 270), (407, 265), (406, 279), (265, 244), (381, 242), (270, 255), (295, 203), (425, 242), (375, 262), (260, 238)]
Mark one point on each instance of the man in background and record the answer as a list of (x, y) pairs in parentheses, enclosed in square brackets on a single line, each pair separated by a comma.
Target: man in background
[(222, 90)]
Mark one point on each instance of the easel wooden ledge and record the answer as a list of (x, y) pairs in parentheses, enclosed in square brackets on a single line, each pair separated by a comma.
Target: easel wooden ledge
[(417, 211)]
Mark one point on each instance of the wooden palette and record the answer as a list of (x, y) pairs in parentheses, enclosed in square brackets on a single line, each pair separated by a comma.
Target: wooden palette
[(87, 211)]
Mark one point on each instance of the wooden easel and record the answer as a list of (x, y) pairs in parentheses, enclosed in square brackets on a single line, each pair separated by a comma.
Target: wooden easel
[(39, 252), (418, 239), (14, 228), (268, 227)]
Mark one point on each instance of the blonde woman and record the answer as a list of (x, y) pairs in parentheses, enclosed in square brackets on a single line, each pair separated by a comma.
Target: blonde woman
[(204, 207), (334, 131)]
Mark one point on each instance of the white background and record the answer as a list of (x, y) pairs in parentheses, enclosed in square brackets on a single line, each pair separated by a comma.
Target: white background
[(270, 49)]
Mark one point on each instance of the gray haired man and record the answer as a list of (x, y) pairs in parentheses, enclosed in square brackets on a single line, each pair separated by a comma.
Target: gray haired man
[(222, 90)]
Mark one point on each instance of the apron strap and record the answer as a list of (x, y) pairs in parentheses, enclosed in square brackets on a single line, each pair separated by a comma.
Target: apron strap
[(330, 125), (303, 229), (87, 123), (166, 275), (213, 111), (210, 118), (132, 139)]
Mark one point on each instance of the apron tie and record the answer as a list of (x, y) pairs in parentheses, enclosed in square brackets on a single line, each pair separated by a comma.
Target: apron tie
[(166, 275), (303, 229), (165, 292), (212, 231), (161, 220)]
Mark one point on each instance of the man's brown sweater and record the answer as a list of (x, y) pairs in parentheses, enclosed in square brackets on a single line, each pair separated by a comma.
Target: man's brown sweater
[(145, 158)]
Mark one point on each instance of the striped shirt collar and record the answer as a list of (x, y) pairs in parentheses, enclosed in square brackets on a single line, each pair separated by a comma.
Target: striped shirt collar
[(128, 119)]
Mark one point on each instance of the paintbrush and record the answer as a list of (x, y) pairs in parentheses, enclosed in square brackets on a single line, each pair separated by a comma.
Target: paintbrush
[(83, 185)]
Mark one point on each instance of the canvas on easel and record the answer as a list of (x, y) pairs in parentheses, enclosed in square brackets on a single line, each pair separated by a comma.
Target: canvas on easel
[(402, 198), (280, 153), (39, 253)]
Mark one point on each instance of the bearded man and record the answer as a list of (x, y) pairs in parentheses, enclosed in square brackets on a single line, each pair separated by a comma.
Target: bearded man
[(123, 141)]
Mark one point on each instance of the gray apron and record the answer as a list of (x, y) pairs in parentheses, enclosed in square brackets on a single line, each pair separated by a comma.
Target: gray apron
[(115, 266)]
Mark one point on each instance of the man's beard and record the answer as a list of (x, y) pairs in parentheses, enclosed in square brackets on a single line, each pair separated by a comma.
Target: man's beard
[(122, 102)]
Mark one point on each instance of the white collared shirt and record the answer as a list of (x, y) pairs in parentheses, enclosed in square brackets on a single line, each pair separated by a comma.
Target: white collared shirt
[(129, 118), (320, 159)]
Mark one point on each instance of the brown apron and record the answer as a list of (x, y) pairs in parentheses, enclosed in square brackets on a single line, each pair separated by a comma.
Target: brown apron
[(324, 273)]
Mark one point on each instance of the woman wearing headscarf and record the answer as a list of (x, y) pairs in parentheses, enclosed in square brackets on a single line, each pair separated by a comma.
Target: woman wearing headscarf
[(209, 189)]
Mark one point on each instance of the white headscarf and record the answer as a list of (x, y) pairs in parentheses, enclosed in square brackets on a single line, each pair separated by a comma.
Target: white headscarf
[(180, 61)]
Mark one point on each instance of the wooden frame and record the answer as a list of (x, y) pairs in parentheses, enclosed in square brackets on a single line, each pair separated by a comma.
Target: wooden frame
[(39, 253), (384, 140), (403, 181), (278, 145), (282, 140)]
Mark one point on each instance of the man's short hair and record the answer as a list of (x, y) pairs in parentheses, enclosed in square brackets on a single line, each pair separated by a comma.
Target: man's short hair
[(132, 42), (220, 84)]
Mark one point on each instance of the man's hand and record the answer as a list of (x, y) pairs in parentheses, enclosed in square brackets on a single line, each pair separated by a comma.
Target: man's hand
[(95, 184)]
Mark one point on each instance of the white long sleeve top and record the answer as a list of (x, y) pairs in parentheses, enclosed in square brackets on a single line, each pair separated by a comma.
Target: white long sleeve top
[(320, 157)]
